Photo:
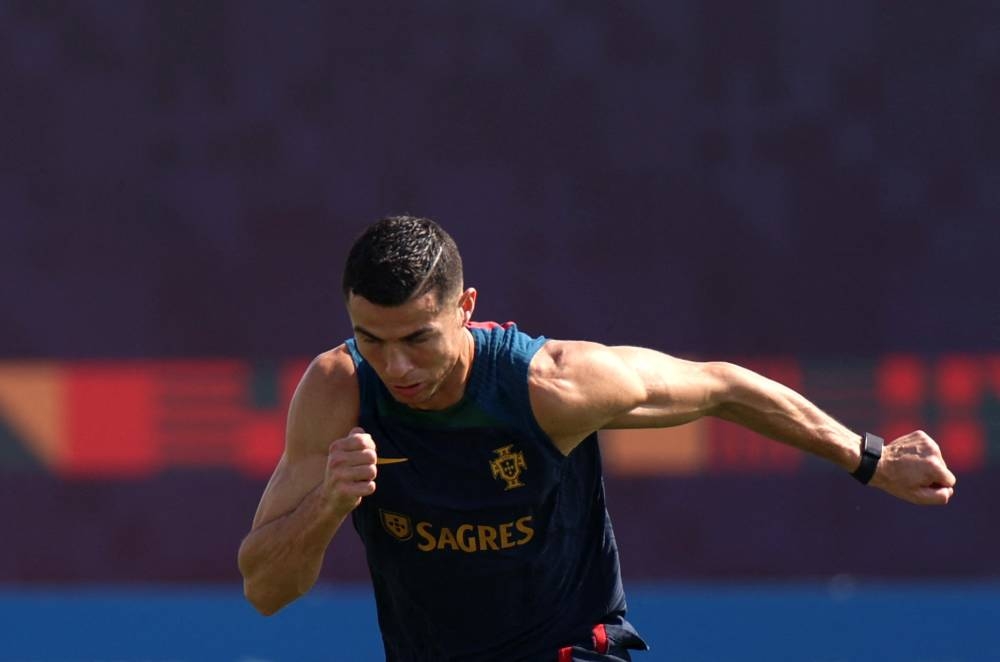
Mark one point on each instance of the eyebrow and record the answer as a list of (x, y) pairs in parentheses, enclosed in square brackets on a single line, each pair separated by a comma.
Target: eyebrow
[(410, 336)]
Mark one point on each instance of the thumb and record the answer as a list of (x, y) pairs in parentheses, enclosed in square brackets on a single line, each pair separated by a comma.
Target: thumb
[(947, 478), (935, 494)]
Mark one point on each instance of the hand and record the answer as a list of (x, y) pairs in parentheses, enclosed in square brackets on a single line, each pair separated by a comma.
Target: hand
[(913, 469), (350, 471)]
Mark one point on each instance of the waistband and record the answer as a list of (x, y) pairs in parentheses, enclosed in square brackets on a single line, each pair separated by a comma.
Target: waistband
[(612, 639)]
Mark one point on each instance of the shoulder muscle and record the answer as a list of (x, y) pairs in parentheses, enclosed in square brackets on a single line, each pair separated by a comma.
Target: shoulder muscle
[(326, 402), (577, 387)]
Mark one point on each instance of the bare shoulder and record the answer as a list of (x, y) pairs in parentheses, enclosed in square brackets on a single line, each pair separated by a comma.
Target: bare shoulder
[(325, 405), (578, 386), (332, 368), (573, 361)]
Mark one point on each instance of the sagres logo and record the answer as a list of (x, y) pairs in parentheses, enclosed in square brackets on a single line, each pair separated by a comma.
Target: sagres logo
[(397, 525), (460, 537), (508, 466)]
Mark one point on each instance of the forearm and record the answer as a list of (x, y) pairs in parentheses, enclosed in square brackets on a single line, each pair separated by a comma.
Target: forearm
[(281, 560), (778, 412)]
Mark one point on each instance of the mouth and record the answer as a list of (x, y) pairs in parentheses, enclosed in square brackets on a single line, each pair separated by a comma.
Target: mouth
[(408, 389)]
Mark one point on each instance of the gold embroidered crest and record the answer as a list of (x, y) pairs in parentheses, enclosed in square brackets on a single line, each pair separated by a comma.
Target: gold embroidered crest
[(397, 525), (508, 466)]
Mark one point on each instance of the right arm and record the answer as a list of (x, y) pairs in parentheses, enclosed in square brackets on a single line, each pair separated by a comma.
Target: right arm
[(313, 489)]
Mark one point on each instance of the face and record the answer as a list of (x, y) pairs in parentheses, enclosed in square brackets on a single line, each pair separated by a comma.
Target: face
[(421, 349)]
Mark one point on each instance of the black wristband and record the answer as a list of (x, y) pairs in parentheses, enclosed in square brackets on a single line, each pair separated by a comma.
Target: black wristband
[(871, 451)]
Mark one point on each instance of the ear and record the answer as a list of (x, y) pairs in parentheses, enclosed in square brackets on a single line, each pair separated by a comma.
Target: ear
[(467, 304)]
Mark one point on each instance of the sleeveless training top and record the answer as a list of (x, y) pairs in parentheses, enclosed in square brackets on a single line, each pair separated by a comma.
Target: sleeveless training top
[(483, 541)]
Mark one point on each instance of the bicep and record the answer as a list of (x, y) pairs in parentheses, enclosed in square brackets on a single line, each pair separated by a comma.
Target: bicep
[(675, 391), (324, 408), (579, 387)]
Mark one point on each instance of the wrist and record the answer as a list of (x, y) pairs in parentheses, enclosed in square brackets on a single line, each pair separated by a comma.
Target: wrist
[(870, 452), (336, 507)]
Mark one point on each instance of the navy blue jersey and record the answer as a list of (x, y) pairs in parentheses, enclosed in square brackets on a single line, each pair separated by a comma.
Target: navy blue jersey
[(483, 540)]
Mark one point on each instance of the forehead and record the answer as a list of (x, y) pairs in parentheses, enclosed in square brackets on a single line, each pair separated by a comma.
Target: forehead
[(391, 322)]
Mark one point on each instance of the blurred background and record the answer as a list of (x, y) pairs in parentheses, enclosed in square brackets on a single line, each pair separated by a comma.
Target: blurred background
[(811, 189)]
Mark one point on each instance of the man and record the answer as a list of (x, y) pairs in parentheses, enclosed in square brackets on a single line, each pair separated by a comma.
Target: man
[(466, 455)]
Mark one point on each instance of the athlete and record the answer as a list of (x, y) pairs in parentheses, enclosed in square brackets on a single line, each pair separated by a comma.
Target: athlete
[(466, 456)]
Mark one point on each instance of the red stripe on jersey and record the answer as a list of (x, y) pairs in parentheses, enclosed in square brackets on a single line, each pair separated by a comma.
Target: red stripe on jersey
[(489, 325)]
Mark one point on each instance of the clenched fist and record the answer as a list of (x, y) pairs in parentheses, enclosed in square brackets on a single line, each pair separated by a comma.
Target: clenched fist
[(350, 471), (912, 468)]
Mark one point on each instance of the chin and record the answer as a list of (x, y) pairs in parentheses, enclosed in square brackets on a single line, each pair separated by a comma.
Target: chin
[(420, 400)]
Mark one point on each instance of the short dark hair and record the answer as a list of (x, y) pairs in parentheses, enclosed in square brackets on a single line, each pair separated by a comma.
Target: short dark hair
[(402, 257)]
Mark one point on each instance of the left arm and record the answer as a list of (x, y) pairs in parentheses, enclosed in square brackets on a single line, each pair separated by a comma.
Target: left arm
[(581, 387), (732, 393)]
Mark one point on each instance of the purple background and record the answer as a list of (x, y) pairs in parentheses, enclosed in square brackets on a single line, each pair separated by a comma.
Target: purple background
[(714, 178), (184, 178)]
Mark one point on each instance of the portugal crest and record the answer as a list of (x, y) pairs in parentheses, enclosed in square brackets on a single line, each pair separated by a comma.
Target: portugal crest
[(508, 466), (397, 525)]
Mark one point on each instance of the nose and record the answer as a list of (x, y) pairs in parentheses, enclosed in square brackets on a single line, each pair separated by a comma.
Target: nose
[(397, 363)]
